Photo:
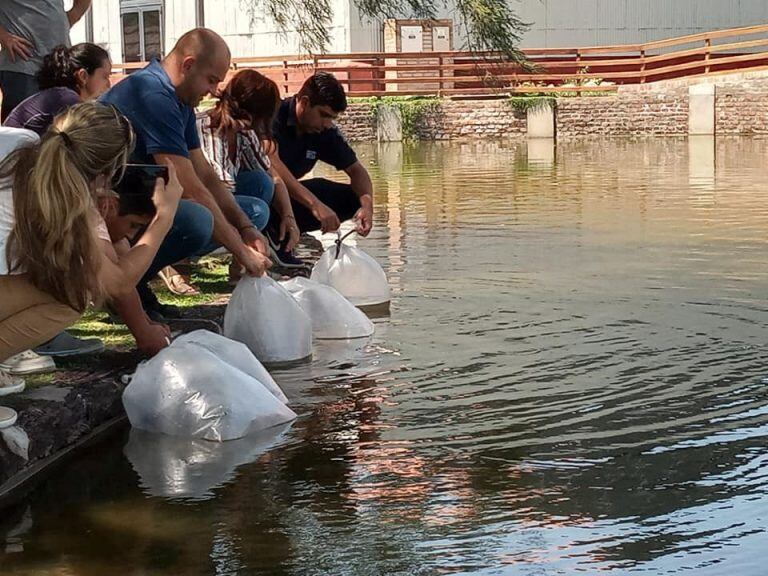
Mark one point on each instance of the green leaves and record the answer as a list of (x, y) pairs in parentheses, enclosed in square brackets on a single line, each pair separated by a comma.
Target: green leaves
[(483, 25)]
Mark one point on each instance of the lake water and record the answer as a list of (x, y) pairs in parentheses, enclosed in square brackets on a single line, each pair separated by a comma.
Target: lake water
[(570, 381)]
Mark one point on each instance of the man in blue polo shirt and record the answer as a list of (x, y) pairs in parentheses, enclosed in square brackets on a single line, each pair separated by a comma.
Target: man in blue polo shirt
[(159, 101), (305, 133)]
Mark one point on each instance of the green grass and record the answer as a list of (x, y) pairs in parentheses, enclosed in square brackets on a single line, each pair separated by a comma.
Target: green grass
[(209, 275)]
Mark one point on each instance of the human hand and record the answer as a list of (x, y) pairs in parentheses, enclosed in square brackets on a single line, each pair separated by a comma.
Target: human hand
[(166, 196), (255, 239), (16, 46), (289, 229), (254, 262), (364, 216), (329, 221), (153, 338)]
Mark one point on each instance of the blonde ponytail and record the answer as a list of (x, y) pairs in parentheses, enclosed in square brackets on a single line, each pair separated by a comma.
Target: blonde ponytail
[(53, 239)]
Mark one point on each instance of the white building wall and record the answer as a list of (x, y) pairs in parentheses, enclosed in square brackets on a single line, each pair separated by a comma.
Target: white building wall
[(555, 23), (252, 33)]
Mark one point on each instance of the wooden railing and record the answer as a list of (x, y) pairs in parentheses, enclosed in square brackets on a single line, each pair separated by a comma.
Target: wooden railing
[(552, 70)]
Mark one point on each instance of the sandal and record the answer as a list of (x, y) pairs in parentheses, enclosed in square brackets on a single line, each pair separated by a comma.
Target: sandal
[(176, 283)]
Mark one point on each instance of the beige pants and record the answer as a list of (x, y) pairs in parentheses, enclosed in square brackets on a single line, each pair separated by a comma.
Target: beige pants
[(28, 316)]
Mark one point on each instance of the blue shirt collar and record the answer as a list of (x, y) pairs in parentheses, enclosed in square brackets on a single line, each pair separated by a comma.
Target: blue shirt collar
[(156, 69)]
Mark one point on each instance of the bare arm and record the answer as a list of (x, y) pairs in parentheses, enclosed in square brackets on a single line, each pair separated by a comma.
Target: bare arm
[(282, 203), (224, 230), (361, 184), (120, 278), (79, 7), (219, 191), (150, 337)]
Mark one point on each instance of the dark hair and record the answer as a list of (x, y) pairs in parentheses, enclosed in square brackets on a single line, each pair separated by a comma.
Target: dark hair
[(60, 66), (323, 89), (136, 204), (248, 102)]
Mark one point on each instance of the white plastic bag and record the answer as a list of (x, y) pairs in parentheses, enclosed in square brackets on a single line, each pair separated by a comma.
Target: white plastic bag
[(187, 391), (333, 317), (235, 354), (354, 273), (264, 316)]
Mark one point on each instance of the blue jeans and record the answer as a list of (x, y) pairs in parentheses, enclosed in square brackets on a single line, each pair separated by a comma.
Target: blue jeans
[(256, 184), (257, 211)]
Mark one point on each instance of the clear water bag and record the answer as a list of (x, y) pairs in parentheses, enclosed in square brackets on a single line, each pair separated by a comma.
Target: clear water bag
[(264, 316), (187, 391), (355, 274), (332, 315)]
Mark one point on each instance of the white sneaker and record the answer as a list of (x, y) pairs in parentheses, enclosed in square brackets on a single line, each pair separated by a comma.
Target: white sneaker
[(7, 417), (28, 362), (9, 384)]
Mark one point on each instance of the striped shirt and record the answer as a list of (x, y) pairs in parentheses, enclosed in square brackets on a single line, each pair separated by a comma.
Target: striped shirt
[(249, 156)]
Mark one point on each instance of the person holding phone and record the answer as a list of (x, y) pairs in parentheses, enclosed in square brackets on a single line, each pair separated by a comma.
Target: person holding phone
[(160, 101), (54, 242)]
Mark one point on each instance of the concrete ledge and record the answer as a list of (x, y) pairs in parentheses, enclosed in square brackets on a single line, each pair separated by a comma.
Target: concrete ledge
[(701, 109)]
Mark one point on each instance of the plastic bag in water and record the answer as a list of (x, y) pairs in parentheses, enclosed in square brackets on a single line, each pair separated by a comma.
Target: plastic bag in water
[(354, 273), (333, 317), (185, 390), (235, 354), (264, 316)]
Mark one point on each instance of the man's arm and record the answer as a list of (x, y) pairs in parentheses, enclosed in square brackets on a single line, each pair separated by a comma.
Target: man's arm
[(79, 7), (328, 219), (361, 184), (224, 231)]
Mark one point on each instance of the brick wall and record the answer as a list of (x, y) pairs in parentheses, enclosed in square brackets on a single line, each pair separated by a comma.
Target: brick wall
[(658, 109), (742, 108), (358, 123), (624, 114)]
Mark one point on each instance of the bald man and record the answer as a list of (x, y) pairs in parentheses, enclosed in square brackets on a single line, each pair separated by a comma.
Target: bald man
[(159, 101)]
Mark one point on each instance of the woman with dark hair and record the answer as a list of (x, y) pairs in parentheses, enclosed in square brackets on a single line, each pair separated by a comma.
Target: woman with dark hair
[(68, 76), (236, 136)]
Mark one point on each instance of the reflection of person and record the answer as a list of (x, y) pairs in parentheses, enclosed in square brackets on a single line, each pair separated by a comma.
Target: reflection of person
[(159, 101), (236, 135), (305, 133), (56, 248), (68, 76), (30, 29)]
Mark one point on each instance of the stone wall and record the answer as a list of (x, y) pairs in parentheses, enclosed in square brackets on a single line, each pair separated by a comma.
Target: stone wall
[(742, 108), (624, 114), (358, 123), (657, 109), (464, 119)]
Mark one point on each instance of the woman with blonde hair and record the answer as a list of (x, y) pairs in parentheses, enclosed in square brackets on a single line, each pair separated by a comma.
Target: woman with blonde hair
[(53, 263)]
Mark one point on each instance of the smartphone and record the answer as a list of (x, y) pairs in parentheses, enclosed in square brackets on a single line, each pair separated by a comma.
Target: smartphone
[(140, 178)]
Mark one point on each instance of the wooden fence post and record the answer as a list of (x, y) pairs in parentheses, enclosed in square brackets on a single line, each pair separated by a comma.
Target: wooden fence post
[(708, 44)]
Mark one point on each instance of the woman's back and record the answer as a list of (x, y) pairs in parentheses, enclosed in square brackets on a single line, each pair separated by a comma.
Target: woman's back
[(37, 112)]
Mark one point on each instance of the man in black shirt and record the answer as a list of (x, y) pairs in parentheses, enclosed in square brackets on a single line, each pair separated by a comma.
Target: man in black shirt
[(305, 133)]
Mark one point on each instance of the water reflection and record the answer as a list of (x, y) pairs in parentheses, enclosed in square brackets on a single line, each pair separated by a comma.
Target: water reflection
[(570, 380), (190, 469)]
